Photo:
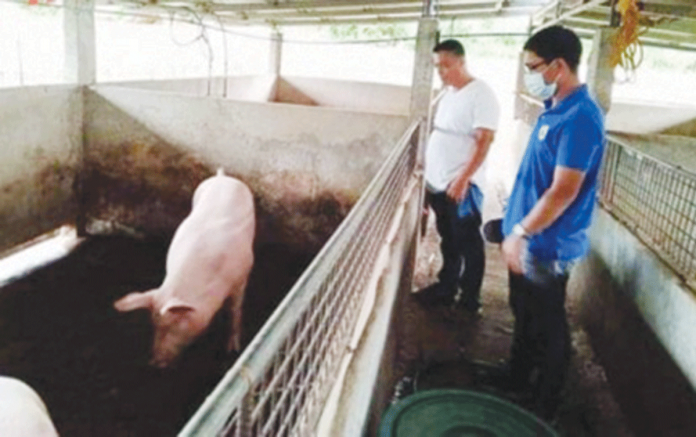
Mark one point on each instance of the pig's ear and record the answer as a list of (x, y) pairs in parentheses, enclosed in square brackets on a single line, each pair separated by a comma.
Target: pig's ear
[(175, 306), (134, 301)]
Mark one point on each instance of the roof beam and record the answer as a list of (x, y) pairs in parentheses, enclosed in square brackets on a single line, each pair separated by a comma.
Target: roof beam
[(672, 22), (335, 12), (346, 12), (539, 19), (364, 19), (232, 19)]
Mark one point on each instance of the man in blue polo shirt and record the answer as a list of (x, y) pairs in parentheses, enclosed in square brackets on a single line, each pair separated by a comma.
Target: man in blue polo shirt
[(548, 213)]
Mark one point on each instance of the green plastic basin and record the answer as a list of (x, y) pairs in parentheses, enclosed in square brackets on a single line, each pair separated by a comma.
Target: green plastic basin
[(459, 413)]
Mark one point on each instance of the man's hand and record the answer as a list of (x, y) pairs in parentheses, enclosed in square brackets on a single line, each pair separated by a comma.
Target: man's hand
[(513, 247), (457, 189)]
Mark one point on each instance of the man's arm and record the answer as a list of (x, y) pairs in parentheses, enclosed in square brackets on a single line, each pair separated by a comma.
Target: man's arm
[(483, 138), (564, 189)]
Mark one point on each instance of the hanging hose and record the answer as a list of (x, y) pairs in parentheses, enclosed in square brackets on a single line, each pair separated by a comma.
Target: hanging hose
[(628, 50)]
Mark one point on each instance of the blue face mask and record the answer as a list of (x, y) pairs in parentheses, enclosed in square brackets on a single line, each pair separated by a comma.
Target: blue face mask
[(535, 84)]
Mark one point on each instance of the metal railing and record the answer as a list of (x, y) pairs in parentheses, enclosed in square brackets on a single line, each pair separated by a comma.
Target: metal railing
[(656, 200), (280, 383)]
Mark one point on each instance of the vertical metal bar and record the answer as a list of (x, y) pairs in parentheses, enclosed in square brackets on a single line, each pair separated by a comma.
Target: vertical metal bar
[(244, 426), (691, 231), (641, 193), (680, 223), (615, 172), (615, 18), (660, 206), (671, 212), (611, 162), (429, 8), (275, 54)]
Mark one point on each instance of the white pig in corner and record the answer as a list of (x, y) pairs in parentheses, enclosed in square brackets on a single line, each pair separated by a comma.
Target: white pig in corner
[(208, 264), (22, 412)]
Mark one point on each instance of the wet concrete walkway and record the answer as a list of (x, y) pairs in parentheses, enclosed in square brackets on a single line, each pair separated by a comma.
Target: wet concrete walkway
[(437, 345)]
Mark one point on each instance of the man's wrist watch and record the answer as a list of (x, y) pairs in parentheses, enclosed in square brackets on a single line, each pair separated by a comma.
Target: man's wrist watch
[(520, 231)]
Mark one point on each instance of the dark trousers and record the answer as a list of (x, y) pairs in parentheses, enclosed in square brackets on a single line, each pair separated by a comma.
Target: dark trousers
[(541, 340), (462, 249)]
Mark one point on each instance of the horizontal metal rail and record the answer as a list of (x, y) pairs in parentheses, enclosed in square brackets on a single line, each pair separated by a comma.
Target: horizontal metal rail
[(656, 200), (280, 383)]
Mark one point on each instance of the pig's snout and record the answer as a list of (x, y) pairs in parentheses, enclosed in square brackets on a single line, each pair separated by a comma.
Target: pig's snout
[(160, 363)]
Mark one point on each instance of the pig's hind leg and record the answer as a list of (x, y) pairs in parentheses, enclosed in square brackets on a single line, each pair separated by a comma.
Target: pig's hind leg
[(235, 303)]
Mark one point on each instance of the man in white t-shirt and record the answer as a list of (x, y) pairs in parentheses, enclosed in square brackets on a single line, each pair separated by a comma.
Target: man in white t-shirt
[(463, 129)]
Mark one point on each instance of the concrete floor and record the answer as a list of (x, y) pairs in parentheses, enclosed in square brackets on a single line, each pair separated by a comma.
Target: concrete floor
[(445, 340)]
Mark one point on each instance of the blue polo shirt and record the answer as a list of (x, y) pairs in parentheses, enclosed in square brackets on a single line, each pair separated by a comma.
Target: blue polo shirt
[(571, 135)]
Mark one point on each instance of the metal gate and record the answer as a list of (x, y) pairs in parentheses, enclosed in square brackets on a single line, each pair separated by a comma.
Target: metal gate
[(654, 199)]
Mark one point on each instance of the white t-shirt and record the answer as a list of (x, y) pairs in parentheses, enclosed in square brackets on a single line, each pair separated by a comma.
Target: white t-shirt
[(451, 145)]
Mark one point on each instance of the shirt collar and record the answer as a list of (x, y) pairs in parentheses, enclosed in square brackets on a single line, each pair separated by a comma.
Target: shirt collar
[(570, 99)]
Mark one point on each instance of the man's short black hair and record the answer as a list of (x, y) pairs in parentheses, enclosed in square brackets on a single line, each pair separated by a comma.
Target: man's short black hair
[(556, 42), (450, 45)]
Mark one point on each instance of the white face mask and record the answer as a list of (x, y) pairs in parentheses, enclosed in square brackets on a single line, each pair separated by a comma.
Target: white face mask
[(534, 82)]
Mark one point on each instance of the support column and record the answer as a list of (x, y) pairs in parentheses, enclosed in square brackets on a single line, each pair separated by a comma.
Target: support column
[(276, 52), (600, 74), (80, 45), (421, 89), (422, 84), (421, 98)]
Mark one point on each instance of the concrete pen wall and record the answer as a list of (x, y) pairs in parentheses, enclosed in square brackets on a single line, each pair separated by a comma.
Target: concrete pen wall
[(40, 148), (147, 150)]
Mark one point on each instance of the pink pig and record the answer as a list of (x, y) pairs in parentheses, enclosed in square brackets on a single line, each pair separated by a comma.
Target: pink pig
[(22, 412), (208, 264)]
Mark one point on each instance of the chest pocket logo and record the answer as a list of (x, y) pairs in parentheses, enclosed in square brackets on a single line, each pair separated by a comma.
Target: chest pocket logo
[(542, 132)]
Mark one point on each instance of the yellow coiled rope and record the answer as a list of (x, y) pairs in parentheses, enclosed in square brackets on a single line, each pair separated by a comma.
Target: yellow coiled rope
[(628, 50)]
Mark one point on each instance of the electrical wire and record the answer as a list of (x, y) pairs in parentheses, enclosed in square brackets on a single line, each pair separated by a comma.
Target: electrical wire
[(225, 51), (199, 21)]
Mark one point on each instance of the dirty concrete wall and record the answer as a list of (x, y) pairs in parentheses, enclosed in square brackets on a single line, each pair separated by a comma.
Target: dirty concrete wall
[(146, 151), (41, 140), (646, 117), (360, 96), (257, 88), (687, 128), (632, 117), (641, 320)]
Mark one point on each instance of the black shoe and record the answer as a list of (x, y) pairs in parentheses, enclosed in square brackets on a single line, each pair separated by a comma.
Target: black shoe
[(546, 411), (498, 376), (472, 309), (492, 375), (435, 294)]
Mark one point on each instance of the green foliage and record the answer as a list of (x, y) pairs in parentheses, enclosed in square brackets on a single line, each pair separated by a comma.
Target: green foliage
[(499, 38), (668, 59), (357, 32), (42, 9)]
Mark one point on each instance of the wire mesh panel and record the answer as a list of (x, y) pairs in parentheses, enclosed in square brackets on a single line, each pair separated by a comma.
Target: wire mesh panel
[(656, 200), (279, 385)]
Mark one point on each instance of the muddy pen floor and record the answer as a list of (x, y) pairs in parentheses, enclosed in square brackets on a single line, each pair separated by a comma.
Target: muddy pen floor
[(439, 348), (60, 334)]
